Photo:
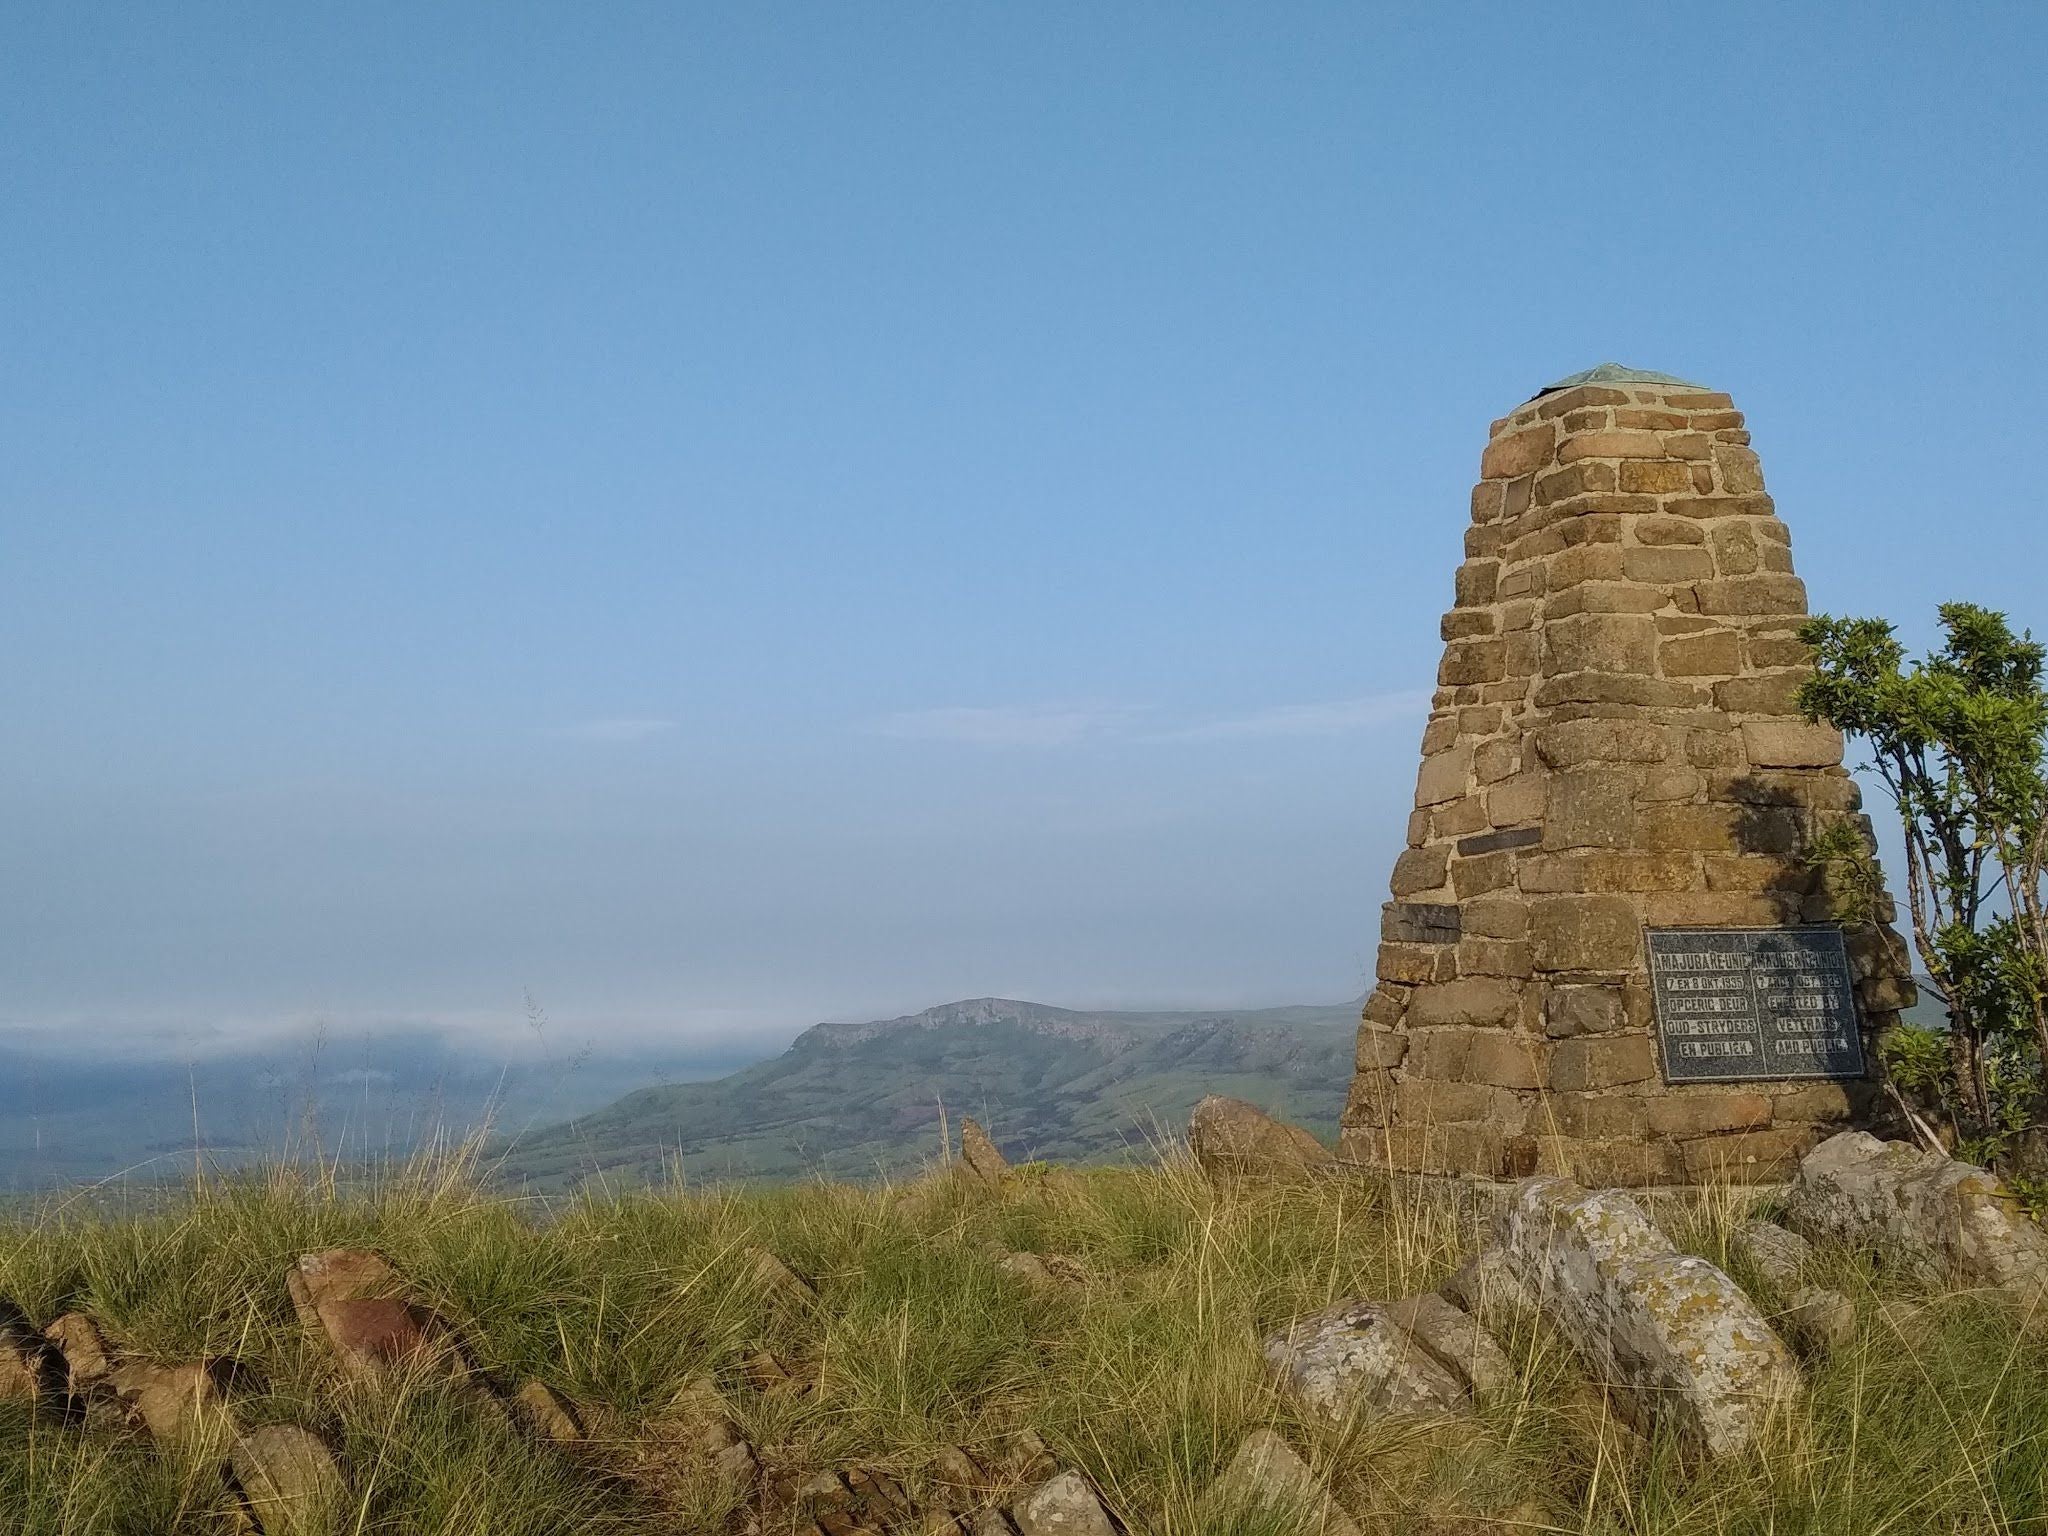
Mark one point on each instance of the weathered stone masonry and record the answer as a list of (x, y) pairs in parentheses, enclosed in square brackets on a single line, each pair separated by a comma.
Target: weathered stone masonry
[(1613, 745)]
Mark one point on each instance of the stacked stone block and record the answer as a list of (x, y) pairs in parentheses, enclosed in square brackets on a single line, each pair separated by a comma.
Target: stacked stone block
[(1614, 745)]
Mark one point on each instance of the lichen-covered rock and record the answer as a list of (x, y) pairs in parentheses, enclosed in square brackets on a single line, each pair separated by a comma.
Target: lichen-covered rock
[(1675, 1340), (1266, 1475), (1229, 1136), (1353, 1361), (291, 1480), (1486, 1286), (1778, 1255), (1943, 1221), (1063, 1505), (1455, 1340), (984, 1163), (1487, 1281)]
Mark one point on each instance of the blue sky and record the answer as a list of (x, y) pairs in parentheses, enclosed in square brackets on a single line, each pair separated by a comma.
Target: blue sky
[(726, 516)]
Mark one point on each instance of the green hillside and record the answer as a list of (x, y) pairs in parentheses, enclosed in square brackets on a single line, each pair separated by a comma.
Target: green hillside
[(856, 1100)]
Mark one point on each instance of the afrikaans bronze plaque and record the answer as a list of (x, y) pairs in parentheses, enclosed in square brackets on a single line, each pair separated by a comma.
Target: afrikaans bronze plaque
[(1754, 1003)]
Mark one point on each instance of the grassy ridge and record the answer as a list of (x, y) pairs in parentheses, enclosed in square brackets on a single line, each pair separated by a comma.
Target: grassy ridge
[(1147, 1376), (854, 1101)]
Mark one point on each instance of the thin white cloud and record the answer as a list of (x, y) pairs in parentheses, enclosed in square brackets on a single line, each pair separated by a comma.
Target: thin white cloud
[(627, 729), (1335, 717), (999, 726), (1031, 726)]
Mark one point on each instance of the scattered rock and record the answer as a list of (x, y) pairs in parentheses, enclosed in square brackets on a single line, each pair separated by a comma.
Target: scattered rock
[(818, 1490), (1486, 1286), (173, 1402), (82, 1348), (990, 1522), (1043, 1271), (291, 1481), (1027, 1458), (856, 1502), (1943, 1221), (1228, 1136), (880, 1496), (698, 1428), (780, 1281), (1065, 1267), (699, 1409), (338, 1274), (767, 1372), (1820, 1321), (1672, 1337), (1456, 1341), (354, 1298), (1267, 1475), (380, 1333), (954, 1468), (548, 1413), (697, 1419), (1778, 1255), (983, 1162), (1029, 1268), (735, 1464), (21, 1361), (1354, 1361), (1063, 1505)]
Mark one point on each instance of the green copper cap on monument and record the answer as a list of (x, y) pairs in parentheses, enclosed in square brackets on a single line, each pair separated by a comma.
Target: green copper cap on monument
[(1614, 373)]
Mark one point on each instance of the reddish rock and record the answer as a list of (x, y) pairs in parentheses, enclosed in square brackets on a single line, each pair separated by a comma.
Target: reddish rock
[(350, 1295), (339, 1274), (979, 1155)]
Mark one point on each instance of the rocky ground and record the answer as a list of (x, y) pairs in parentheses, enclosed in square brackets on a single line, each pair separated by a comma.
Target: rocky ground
[(1251, 1339)]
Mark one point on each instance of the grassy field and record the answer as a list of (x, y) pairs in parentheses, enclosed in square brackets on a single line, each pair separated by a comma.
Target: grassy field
[(1146, 1376)]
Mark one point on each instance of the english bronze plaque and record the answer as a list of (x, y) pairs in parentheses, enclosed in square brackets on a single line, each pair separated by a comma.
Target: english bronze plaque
[(1753, 1003)]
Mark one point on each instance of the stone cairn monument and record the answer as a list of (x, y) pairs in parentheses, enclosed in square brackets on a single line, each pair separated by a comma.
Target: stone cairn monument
[(1607, 955)]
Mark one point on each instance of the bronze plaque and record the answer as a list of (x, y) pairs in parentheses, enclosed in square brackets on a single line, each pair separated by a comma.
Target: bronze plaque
[(1736, 1004)]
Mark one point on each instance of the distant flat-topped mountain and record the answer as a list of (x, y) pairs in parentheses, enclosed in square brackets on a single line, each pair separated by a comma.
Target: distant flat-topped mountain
[(854, 1100)]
